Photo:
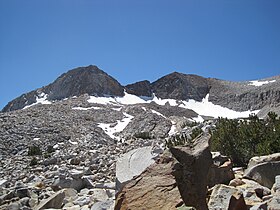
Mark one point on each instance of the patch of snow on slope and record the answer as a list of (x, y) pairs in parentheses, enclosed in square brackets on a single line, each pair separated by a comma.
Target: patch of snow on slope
[(101, 100), (157, 113), (172, 129), (41, 99), (258, 83), (207, 108), (117, 109), (198, 119), (121, 124), (88, 108), (204, 107)]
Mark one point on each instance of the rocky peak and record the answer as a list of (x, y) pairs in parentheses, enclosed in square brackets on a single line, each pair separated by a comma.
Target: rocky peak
[(142, 88), (90, 80), (181, 86), (83, 80)]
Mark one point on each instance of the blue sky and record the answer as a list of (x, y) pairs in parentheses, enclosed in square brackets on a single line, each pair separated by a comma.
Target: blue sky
[(134, 40)]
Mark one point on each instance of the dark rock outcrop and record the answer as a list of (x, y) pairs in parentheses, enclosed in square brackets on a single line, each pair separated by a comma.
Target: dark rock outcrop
[(181, 86), (142, 88), (191, 171), (220, 171)]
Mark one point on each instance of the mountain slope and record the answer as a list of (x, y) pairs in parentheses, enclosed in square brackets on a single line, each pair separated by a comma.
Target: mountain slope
[(76, 82)]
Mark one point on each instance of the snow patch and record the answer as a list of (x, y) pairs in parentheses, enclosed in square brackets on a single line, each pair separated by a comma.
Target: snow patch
[(117, 109), (41, 99), (157, 113), (198, 119), (204, 107), (73, 142), (172, 129), (88, 108), (120, 126), (258, 83), (207, 108)]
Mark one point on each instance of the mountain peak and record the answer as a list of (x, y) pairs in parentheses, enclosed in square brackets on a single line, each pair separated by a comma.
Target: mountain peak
[(82, 80)]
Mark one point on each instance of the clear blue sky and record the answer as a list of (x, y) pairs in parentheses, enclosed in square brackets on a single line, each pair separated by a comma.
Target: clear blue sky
[(134, 40)]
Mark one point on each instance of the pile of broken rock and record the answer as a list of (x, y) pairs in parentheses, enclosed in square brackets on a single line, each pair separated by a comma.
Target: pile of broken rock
[(190, 177)]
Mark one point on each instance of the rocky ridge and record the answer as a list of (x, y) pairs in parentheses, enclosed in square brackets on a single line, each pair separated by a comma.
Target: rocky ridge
[(239, 96)]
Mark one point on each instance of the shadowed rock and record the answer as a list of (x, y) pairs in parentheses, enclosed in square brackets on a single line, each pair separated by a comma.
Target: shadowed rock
[(194, 161)]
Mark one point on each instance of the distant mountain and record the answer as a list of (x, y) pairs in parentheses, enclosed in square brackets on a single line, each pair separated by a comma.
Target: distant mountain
[(238, 96), (76, 82)]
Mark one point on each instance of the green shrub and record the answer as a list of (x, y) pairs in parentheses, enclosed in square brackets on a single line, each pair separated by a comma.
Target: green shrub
[(143, 135), (33, 161), (243, 139), (34, 150)]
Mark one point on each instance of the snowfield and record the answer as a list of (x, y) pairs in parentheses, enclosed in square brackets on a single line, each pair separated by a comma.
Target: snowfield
[(258, 83), (120, 126), (41, 99), (202, 108)]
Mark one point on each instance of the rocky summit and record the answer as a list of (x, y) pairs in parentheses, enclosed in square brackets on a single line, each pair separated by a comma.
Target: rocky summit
[(86, 141)]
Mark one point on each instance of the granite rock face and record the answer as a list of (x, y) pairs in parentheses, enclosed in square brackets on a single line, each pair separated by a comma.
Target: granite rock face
[(191, 171), (264, 173), (155, 188)]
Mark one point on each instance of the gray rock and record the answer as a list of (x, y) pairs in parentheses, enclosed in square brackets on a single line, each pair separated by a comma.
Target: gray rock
[(103, 205), (54, 201), (220, 171), (226, 197), (274, 202), (14, 206), (264, 173), (22, 192), (81, 201), (276, 185), (262, 159), (194, 161), (133, 163)]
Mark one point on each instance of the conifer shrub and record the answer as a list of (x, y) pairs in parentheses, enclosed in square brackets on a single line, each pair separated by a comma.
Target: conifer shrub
[(241, 139)]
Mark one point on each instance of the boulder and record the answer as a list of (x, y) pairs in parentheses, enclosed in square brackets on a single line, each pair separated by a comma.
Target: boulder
[(155, 188), (262, 159), (226, 197), (220, 171), (276, 185), (68, 182), (54, 201), (191, 170), (264, 173), (102, 205), (132, 164), (274, 202)]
